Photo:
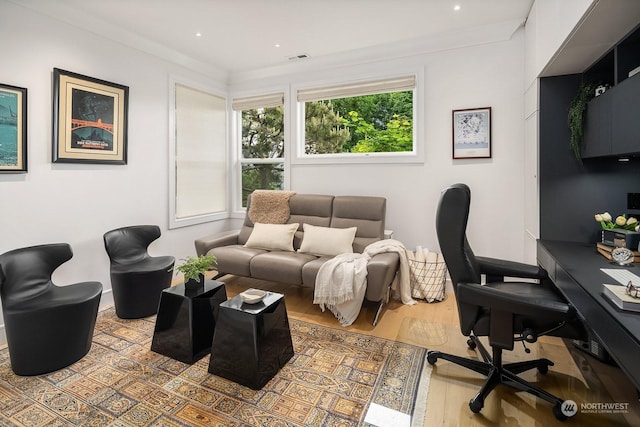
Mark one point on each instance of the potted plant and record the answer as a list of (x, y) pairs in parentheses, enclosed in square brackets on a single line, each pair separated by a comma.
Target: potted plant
[(193, 269), (576, 117)]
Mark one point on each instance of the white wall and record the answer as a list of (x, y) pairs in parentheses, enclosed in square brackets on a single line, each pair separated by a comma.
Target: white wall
[(550, 23), (490, 75), (75, 203)]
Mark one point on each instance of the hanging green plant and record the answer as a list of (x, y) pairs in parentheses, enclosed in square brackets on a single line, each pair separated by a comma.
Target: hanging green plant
[(576, 117)]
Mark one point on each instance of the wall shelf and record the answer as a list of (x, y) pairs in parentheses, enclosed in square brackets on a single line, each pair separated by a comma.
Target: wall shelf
[(611, 118), (614, 66)]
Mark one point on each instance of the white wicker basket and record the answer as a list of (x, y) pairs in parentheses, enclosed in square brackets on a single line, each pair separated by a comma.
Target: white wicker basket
[(428, 274)]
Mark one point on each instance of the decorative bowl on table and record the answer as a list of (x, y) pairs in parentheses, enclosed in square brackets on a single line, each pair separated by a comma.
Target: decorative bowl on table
[(252, 296)]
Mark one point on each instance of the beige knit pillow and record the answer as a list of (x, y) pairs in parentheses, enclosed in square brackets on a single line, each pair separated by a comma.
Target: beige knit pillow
[(272, 236), (327, 241)]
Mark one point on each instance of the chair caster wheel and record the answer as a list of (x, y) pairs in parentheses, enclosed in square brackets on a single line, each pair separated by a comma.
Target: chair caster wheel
[(431, 358), (557, 412), (476, 405), (471, 344)]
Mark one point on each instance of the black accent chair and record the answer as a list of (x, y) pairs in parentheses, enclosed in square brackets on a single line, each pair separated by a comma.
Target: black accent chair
[(504, 312), (137, 279), (48, 327)]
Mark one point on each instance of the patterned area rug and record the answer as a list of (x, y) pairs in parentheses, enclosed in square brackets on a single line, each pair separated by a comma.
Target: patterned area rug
[(331, 380)]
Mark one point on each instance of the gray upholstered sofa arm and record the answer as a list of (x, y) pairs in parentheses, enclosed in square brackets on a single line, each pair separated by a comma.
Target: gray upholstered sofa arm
[(225, 238), (381, 270)]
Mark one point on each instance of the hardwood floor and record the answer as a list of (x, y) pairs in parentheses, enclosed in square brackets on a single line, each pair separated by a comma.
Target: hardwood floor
[(575, 376)]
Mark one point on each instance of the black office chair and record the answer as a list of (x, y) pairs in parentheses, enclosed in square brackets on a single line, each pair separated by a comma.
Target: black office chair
[(502, 311), (137, 279), (48, 327)]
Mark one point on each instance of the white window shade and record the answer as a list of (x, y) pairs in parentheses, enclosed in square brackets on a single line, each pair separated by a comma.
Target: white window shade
[(371, 87), (262, 101), (200, 159)]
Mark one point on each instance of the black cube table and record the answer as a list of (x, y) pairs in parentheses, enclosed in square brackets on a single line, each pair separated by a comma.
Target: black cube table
[(251, 341), (186, 321)]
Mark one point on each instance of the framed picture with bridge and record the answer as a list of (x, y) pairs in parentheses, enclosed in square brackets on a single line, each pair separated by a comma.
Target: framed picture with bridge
[(89, 119)]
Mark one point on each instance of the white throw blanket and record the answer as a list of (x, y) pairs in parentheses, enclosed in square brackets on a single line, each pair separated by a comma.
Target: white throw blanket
[(340, 286), (403, 280), (342, 281)]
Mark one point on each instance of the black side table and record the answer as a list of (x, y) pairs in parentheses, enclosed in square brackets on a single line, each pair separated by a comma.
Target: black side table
[(186, 321), (251, 341)]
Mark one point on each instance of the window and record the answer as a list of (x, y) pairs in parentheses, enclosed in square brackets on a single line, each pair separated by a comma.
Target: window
[(367, 118), (262, 159), (198, 156)]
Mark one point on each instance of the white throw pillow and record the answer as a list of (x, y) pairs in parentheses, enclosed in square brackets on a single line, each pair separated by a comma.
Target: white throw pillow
[(272, 236), (326, 240)]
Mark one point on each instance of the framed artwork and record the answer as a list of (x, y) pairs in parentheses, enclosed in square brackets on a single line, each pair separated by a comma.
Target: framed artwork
[(472, 133), (89, 120), (13, 129)]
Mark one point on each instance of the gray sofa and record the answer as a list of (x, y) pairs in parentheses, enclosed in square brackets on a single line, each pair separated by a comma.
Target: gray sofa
[(293, 267)]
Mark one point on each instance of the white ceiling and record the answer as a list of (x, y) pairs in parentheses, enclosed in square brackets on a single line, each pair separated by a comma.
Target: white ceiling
[(241, 35)]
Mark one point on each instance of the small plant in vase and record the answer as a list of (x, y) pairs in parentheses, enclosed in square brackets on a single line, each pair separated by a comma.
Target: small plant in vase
[(193, 269)]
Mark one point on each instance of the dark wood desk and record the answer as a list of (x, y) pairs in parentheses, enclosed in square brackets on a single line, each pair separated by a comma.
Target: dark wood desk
[(575, 269)]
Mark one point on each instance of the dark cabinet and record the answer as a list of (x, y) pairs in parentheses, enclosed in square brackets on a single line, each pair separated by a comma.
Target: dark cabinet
[(597, 128), (612, 122), (625, 136)]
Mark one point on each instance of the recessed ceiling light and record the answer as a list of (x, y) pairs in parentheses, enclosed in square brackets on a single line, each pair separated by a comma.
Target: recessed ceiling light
[(277, 45), (198, 34), (456, 7)]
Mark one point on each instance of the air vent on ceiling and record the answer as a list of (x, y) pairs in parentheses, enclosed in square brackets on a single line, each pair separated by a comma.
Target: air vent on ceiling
[(297, 57)]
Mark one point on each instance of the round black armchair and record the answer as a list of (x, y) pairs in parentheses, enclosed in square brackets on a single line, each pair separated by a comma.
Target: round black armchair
[(48, 327), (137, 279)]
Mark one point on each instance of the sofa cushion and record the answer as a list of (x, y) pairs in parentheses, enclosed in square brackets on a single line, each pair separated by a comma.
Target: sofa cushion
[(310, 270), (272, 236), (303, 208), (327, 241), (311, 209), (280, 266), (365, 212), (234, 259)]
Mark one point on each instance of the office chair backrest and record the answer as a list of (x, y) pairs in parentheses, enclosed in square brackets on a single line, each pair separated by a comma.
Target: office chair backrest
[(129, 244), (451, 226), (26, 272)]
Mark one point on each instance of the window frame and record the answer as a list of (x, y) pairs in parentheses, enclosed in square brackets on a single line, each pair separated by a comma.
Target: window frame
[(238, 211), (175, 222), (299, 157)]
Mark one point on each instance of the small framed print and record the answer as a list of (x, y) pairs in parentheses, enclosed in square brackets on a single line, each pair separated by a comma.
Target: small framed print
[(472, 133), (89, 119), (13, 129)]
